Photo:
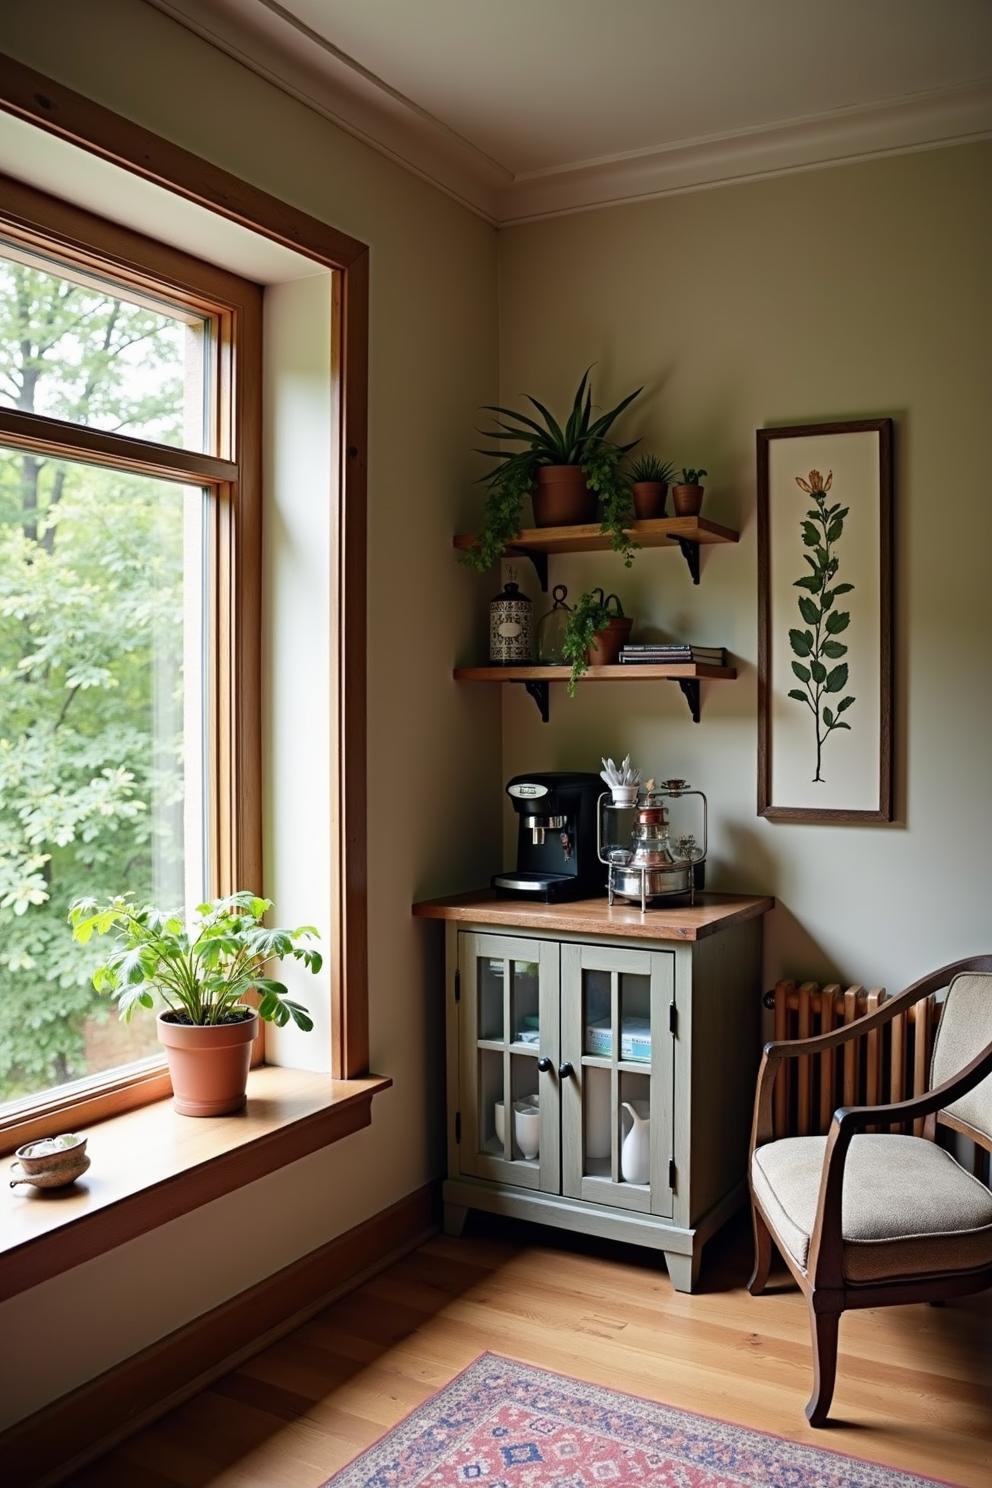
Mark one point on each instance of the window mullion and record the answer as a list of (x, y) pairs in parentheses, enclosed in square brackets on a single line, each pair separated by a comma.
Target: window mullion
[(56, 437)]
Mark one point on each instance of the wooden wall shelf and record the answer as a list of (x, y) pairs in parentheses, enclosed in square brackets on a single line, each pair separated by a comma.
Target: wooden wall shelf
[(537, 679), (686, 533)]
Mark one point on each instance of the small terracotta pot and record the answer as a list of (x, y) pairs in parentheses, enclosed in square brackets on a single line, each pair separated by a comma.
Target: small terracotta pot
[(562, 498), (208, 1067), (687, 500), (649, 499), (605, 649)]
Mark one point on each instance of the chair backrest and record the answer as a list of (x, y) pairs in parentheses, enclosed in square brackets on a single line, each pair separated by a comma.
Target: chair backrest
[(965, 1029)]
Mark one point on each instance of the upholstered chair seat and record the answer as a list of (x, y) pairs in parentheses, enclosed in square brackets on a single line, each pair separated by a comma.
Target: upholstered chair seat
[(908, 1208)]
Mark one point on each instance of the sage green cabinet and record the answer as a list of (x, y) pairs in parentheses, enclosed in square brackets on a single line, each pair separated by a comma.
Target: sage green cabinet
[(510, 1024), (618, 1048), (555, 1042)]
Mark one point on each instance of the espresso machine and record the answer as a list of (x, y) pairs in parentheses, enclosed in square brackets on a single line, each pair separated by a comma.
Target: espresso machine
[(556, 837)]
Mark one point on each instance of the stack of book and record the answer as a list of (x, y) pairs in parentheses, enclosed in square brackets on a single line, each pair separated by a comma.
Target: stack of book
[(674, 653)]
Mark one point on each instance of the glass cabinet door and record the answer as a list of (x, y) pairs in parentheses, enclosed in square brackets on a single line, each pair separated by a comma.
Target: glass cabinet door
[(508, 1032), (617, 1100)]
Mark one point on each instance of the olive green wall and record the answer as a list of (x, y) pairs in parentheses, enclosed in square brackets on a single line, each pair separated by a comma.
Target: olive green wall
[(432, 362), (843, 293)]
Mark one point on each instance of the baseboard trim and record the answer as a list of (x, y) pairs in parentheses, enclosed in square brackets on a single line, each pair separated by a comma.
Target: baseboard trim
[(63, 1437)]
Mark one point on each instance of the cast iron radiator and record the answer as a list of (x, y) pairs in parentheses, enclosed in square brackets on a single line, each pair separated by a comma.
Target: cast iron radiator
[(890, 1064)]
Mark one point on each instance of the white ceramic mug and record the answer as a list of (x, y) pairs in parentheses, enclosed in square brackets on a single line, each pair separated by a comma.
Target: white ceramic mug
[(527, 1126), (499, 1112)]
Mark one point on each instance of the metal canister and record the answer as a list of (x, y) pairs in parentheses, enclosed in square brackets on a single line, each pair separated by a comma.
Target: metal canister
[(511, 627)]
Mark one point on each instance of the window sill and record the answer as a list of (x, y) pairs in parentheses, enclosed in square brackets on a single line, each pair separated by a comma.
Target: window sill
[(152, 1165)]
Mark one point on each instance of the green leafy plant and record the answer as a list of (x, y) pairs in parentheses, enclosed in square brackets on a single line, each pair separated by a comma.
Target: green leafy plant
[(817, 644), (203, 971), (581, 440), (616, 503), (589, 616), (650, 468), (691, 477)]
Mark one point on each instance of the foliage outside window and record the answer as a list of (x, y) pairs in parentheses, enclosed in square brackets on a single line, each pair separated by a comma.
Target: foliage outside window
[(104, 578)]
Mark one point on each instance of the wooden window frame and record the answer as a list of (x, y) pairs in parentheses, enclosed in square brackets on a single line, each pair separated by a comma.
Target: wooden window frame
[(46, 228), (48, 105)]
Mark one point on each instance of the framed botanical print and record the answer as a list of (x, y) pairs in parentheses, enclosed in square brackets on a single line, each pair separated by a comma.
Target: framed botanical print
[(825, 622)]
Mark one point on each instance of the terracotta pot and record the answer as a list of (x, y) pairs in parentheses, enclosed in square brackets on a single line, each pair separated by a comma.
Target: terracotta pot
[(649, 499), (208, 1067), (605, 649), (687, 500), (562, 498)]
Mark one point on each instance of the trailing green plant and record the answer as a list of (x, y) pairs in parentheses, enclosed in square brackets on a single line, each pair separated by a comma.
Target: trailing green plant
[(201, 971), (587, 618), (651, 468), (616, 501), (581, 440), (691, 477), (821, 528)]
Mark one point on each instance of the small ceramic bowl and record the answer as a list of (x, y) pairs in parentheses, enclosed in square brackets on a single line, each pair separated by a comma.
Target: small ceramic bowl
[(50, 1162)]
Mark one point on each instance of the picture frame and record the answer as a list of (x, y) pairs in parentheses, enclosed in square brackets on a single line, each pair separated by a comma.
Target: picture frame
[(825, 720)]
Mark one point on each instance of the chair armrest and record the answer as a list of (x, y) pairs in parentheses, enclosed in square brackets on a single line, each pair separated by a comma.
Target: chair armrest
[(827, 1240)]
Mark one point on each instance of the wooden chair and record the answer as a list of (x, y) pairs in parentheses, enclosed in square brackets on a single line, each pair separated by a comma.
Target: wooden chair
[(873, 1219)]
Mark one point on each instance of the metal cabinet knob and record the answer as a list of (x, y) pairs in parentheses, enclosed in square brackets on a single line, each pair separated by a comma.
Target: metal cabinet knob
[(544, 1064), (564, 1070)]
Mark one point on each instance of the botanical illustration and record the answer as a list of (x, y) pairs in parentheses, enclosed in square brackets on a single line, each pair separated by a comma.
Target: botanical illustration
[(820, 669)]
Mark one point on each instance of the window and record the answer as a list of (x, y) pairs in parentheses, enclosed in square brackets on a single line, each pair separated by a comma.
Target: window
[(129, 551)]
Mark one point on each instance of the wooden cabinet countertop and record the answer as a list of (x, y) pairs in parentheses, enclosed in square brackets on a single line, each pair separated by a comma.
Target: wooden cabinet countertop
[(710, 914)]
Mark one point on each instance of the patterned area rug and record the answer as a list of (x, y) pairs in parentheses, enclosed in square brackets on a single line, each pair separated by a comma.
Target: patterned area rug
[(501, 1424)]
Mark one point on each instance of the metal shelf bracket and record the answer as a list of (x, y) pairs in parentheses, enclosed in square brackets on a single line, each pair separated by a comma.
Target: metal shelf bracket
[(540, 562), (541, 693), (690, 552), (690, 691)]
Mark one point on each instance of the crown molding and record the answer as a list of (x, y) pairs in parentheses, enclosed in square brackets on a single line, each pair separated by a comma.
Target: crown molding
[(270, 42), (921, 121), (263, 36)]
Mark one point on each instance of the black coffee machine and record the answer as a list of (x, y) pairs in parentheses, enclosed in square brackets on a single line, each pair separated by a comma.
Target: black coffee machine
[(556, 837)]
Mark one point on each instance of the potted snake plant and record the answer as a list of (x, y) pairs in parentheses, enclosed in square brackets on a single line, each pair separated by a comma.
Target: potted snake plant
[(563, 467), (198, 975)]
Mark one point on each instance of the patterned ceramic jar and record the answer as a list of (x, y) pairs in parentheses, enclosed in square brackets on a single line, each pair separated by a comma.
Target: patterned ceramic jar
[(510, 627)]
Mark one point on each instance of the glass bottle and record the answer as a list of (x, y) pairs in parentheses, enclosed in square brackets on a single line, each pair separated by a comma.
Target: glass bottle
[(551, 629)]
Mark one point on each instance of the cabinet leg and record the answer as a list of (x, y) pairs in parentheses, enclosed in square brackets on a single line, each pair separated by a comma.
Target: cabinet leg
[(683, 1269), (453, 1222)]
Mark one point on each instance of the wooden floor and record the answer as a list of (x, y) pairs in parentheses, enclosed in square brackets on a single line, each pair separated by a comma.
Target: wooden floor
[(914, 1390)]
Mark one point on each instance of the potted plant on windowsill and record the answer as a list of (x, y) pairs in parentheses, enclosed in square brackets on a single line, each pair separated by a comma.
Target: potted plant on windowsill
[(687, 494), (596, 630), (202, 972), (562, 468), (650, 478)]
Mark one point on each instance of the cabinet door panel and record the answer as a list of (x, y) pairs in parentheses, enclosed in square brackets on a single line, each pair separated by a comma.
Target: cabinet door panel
[(509, 1021), (616, 1035)]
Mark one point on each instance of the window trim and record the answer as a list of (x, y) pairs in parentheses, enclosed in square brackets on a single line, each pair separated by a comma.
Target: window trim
[(43, 102)]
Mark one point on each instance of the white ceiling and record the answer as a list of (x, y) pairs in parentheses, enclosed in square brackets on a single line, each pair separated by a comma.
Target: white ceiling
[(528, 107)]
